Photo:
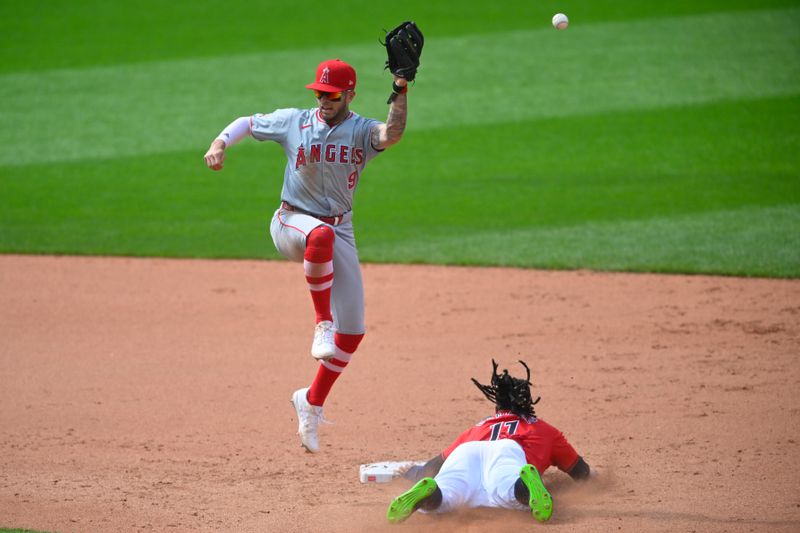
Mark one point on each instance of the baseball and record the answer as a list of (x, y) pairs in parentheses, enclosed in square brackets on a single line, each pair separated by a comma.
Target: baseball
[(560, 21)]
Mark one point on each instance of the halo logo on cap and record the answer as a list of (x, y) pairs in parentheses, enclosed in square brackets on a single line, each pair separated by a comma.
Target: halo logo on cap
[(324, 77), (334, 75)]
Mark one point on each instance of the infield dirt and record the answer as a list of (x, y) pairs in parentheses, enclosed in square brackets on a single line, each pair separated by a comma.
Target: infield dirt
[(153, 395)]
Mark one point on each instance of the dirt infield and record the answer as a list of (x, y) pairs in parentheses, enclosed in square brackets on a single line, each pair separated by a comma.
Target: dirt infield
[(153, 395)]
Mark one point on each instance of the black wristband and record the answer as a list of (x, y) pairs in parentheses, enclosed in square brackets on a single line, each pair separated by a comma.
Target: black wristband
[(398, 89)]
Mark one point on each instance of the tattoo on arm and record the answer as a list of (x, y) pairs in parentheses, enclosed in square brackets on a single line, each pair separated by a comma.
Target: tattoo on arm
[(375, 137), (391, 132), (396, 123)]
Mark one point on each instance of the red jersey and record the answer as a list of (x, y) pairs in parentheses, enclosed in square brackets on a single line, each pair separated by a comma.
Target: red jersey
[(543, 444)]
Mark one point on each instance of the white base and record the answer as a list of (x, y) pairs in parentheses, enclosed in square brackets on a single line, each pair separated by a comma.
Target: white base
[(384, 471)]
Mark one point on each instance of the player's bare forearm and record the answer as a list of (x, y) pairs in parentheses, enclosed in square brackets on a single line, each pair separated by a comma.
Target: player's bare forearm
[(396, 122), (429, 469), (385, 135), (432, 467)]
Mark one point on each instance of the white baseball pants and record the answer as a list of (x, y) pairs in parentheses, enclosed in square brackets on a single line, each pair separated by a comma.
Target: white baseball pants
[(289, 231), (481, 474)]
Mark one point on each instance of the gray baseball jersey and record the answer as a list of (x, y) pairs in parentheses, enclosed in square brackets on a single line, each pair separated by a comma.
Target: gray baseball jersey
[(324, 163), (322, 173)]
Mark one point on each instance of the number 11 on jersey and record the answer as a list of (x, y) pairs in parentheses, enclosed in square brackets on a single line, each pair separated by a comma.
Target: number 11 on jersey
[(511, 428)]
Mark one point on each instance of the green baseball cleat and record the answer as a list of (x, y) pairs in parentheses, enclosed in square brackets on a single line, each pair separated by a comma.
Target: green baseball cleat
[(404, 505), (540, 501)]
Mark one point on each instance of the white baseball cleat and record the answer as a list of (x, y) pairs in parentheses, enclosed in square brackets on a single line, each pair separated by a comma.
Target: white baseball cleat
[(308, 417), (323, 346)]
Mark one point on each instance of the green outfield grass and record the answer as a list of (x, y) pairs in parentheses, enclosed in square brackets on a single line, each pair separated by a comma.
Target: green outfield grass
[(646, 137)]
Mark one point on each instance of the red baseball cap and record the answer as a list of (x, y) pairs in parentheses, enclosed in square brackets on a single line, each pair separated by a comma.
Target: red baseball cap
[(334, 75)]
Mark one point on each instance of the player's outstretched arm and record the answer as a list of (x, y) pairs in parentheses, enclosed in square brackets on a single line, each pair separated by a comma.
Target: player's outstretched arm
[(429, 469), (233, 133), (385, 135)]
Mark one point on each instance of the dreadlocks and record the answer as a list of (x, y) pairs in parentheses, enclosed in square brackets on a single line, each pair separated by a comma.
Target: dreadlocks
[(509, 393)]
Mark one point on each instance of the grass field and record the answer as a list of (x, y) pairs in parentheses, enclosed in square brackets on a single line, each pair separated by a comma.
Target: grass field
[(646, 137)]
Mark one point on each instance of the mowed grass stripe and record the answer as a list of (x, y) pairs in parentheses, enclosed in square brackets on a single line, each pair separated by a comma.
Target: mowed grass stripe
[(590, 69), (617, 168), (750, 241), (138, 206), (47, 34), (161, 107), (564, 171)]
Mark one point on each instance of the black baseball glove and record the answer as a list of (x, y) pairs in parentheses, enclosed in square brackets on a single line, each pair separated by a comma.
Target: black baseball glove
[(404, 48)]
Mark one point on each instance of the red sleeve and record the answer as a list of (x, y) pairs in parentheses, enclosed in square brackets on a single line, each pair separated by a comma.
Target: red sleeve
[(564, 455), (464, 437)]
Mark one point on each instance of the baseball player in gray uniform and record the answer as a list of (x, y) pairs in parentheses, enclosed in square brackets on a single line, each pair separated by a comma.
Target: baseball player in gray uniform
[(327, 148)]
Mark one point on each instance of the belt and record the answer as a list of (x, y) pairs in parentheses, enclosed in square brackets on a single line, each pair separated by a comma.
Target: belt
[(333, 221)]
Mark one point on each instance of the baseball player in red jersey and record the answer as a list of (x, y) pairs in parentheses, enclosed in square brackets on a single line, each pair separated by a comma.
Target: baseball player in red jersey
[(496, 463)]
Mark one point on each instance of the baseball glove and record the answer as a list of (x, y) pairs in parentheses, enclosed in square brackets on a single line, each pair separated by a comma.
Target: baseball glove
[(404, 48)]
